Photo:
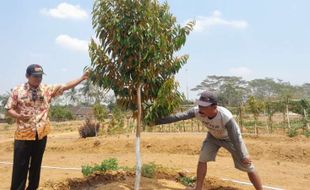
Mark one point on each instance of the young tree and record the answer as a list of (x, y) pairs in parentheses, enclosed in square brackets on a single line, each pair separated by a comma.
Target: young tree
[(305, 110), (302, 107), (100, 111), (271, 107), (135, 58), (255, 107), (287, 92)]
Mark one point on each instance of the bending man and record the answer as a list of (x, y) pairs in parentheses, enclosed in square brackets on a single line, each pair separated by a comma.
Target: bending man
[(223, 131)]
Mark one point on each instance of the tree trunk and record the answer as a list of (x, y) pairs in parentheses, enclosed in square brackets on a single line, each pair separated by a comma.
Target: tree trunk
[(192, 125), (270, 123), (288, 117), (255, 128), (138, 143), (284, 120)]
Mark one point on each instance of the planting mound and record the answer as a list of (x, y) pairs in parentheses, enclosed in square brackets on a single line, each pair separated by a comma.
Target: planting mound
[(124, 180)]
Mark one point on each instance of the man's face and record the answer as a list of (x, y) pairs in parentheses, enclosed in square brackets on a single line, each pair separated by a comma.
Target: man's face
[(209, 111), (34, 81)]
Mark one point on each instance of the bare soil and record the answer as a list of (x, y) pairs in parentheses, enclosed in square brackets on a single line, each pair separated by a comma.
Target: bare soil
[(281, 161)]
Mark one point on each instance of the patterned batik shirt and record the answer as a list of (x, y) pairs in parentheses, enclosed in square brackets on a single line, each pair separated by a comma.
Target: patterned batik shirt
[(36, 103)]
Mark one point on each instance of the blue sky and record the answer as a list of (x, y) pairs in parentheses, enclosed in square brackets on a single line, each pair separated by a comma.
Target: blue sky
[(252, 39)]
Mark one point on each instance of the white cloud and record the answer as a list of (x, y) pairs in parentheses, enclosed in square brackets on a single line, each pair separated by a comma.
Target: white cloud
[(72, 43), (240, 71), (66, 11), (216, 19)]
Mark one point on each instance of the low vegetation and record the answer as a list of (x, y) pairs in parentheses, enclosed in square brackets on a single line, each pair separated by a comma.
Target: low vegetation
[(89, 129), (149, 170), (105, 165), (187, 181)]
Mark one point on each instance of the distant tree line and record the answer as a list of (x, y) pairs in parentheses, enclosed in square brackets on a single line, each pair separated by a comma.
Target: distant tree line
[(260, 96), (233, 91)]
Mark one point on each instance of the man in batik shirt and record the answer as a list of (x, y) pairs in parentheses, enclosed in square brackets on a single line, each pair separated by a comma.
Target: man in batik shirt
[(29, 104)]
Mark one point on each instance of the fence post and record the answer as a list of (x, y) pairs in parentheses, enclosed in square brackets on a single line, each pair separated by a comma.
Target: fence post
[(192, 124)]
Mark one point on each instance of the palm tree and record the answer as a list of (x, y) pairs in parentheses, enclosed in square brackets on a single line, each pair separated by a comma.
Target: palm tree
[(73, 96)]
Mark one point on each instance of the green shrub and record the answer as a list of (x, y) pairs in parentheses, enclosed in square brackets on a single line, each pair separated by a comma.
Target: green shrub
[(187, 181), (87, 170), (307, 133), (149, 170), (101, 112), (297, 124), (109, 164), (292, 132), (118, 118)]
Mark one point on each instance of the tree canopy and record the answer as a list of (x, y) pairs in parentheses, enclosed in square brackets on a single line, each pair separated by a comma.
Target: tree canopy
[(137, 45)]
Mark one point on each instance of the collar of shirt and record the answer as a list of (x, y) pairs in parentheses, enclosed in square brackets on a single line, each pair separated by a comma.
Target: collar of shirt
[(28, 88)]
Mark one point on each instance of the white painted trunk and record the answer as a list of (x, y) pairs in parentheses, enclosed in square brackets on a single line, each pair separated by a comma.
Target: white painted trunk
[(138, 131), (138, 164)]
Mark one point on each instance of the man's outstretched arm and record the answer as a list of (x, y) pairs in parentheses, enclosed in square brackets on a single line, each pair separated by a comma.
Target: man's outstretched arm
[(58, 90), (177, 117), (75, 82)]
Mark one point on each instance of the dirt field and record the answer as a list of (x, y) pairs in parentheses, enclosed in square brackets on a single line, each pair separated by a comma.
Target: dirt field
[(282, 162)]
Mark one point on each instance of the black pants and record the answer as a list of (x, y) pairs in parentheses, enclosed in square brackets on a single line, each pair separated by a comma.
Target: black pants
[(26, 152)]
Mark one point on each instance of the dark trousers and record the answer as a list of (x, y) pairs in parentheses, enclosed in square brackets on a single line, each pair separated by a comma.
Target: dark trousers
[(26, 152)]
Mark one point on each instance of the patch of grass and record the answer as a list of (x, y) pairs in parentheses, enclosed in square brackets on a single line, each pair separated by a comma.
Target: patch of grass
[(251, 123), (187, 181), (109, 164), (116, 130), (149, 170), (297, 124)]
